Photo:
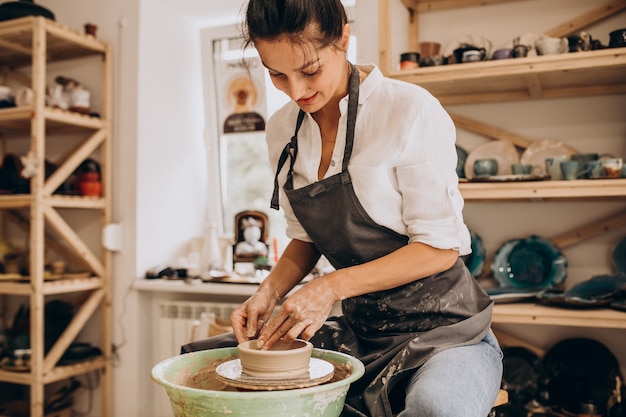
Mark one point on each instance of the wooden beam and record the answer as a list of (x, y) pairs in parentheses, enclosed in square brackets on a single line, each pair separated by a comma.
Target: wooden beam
[(50, 242), (65, 231), (69, 334), (587, 19), (384, 36), (434, 5), (73, 161), (490, 131), (590, 230)]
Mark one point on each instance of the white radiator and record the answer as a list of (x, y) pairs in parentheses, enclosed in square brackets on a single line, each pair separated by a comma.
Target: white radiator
[(180, 322)]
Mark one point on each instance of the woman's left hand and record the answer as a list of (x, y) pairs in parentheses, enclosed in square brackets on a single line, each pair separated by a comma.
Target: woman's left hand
[(301, 315)]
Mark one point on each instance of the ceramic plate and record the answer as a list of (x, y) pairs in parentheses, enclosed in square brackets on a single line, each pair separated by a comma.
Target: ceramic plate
[(619, 257), (504, 152), (539, 150), (231, 373), (475, 261), (461, 155), (533, 263), (513, 295), (597, 291)]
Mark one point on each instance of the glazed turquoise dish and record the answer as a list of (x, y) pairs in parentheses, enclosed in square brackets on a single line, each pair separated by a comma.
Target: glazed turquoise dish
[(534, 263), (194, 391)]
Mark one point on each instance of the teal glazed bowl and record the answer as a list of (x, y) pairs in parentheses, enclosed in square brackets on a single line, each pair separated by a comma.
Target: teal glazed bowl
[(194, 391)]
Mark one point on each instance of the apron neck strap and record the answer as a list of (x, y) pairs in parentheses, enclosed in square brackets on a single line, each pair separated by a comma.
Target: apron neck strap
[(291, 149)]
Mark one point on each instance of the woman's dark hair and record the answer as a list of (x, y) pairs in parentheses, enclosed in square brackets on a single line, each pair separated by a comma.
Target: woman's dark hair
[(318, 21)]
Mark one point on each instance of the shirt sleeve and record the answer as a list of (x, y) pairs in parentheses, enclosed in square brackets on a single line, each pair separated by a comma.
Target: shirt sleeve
[(432, 205)]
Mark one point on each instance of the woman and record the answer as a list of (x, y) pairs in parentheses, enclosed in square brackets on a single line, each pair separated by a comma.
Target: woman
[(366, 175)]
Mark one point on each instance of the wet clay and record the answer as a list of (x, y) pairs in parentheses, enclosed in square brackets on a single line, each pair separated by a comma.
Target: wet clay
[(206, 378)]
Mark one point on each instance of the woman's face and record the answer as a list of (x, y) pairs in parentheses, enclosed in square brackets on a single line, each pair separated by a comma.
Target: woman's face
[(311, 77)]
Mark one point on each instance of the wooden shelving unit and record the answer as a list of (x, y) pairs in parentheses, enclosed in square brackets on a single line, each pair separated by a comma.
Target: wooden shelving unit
[(550, 76), (28, 45), (524, 190), (596, 72)]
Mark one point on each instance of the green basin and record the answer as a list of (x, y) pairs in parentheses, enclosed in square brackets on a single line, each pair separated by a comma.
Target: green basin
[(194, 391)]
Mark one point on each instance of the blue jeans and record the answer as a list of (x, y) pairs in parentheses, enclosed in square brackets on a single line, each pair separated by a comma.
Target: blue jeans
[(458, 382)]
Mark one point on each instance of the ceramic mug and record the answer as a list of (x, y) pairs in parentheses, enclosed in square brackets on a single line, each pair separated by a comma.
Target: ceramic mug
[(553, 167), (504, 53), (6, 94), (583, 158), (551, 46), (24, 96), (485, 167), (573, 170), (473, 55), (595, 169), (520, 51), (525, 169), (430, 48), (613, 167)]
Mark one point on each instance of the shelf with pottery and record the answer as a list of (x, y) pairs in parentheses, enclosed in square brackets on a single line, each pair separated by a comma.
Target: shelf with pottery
[(27, 46), (18, 119), (55, 374), (594, 72), (532, 313), (550, 76), (544, 189)]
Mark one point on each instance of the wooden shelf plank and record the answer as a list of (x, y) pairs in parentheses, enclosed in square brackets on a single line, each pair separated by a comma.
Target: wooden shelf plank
[(521, 313), (16, 201), (56, 374), (61, 286), (16, 120), (62, 42), (564, 75), (543, 189)]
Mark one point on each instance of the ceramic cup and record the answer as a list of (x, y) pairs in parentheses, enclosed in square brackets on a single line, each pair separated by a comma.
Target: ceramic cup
[(613, 167), (573, 170), (583, 158), (553, 167), (617, 38), (520, 51), (409, 60), (430, 48), (525, 169), (24, 96), (6, 93), (595, 169), (504, 53), (551, 46), (473, 55), (485, 167)]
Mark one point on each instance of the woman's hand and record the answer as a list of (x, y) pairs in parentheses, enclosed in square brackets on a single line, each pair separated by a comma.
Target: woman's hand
[(302, 314), (248, 319)]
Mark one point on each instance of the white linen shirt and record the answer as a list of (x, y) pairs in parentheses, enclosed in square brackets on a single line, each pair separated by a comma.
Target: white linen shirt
[(403, 163)]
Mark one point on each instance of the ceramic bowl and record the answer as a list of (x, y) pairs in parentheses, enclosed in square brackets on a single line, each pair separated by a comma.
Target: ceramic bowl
[(281, 361)]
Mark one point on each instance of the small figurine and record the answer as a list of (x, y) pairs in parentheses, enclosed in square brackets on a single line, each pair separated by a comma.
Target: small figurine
[(251, 245)]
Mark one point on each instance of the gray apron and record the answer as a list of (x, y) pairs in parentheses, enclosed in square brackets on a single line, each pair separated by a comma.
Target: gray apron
[(392, 332)]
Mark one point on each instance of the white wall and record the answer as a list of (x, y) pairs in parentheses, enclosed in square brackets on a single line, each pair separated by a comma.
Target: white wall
[(160, 184)]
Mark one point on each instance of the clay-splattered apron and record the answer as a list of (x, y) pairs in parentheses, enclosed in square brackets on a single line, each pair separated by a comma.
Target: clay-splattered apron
[(393, 332)]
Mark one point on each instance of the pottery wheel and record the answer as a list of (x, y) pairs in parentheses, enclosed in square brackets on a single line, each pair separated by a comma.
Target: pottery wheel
[(231, 373)]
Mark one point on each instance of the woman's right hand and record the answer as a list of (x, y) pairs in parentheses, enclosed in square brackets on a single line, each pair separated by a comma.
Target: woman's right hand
[(248, 319)]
